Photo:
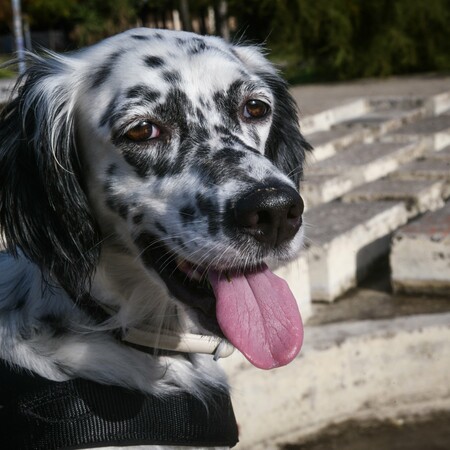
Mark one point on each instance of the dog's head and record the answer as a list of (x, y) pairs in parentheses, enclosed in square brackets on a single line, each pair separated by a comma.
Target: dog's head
[(183, 149)]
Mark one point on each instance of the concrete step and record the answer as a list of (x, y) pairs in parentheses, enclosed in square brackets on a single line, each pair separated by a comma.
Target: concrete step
[(436, 130), (419, 196), (359, 164), (429, 168), (324, 120), (439, 103), (388, 116), (420, 254), (327, 143), (345, 239), (380, 118), (443, 154)]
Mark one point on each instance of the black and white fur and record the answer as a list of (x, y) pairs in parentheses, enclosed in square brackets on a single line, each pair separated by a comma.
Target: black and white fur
[(82, 205)]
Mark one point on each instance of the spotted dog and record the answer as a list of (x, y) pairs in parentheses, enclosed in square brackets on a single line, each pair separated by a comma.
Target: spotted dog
[(146, 184)]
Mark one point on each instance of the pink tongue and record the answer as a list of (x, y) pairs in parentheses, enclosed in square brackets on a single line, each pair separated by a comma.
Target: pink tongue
[(259, 315)]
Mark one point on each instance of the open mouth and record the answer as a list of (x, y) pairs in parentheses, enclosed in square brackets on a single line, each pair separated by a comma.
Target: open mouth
[(186, 282), (253, 309)]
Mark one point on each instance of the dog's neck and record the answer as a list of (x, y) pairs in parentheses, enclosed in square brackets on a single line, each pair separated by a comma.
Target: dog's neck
[(122, 288)]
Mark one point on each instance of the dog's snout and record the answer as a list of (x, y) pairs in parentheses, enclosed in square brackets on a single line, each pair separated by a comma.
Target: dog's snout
[(272, 215)]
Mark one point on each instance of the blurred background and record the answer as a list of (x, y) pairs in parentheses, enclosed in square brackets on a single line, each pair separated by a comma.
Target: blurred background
[(321, 40)]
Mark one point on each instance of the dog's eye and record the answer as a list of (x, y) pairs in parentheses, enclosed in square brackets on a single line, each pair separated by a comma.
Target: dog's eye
[(143, 131), (256, 109)]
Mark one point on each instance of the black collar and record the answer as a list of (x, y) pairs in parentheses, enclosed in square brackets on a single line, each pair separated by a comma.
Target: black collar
[(39, 414)]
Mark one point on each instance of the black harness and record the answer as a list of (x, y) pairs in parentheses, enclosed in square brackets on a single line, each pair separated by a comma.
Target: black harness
[(39, 414)]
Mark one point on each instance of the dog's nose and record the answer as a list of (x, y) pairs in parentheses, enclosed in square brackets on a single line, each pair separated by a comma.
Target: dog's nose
[(272, 215)]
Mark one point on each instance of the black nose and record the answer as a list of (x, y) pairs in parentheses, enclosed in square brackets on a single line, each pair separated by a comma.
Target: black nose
[(272, 215)]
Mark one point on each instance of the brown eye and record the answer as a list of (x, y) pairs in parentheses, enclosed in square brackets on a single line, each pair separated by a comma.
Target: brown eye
[(143, 131), (256, 109)]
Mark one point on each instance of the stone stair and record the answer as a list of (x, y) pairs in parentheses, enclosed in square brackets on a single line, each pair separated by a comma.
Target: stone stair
[(377, 170)]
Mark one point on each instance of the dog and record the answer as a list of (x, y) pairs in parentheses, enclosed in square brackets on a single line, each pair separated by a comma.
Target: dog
[(146, 183)]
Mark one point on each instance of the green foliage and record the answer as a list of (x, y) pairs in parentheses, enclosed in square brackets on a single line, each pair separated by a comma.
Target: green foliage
[(342, 39), (310, 39), (96, 20)]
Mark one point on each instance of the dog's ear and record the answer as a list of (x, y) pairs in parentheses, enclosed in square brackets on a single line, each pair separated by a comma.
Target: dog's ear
[(285, 146), (44, 211)]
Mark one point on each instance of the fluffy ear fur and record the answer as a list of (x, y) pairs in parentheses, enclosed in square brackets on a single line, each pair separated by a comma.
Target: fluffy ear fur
[(43, 208), (286, 146)]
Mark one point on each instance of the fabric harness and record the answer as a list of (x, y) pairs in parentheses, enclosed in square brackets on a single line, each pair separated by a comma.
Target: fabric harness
[(39, 414)]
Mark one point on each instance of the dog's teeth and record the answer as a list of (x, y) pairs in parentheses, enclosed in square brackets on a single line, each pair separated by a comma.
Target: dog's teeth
[(194, 275), (228, 277)]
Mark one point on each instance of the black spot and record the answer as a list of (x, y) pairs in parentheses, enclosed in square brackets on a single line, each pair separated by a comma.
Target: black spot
[(26, 333), (235, 54), (159, 36), (178, 241), (56, 324), (204, 204), (154, 61), (255, 136), (200, 116), (20, 303), (210, 209), (143, 92), (172, 77), (230, 139), (180, 42), (223, 130), (227, 140), (105, 69), (197, 46), (109, 113), (138, 218), (222, 166), (175, 109), (227, 104), (187, 214), (161, 166), (138, 160), (160, 227), (202, 151), (140, 37), (206, 104), (112, 169), (191, 146), (229, 156), (123, 209), (199, 133), (117, 206), (113, 203)]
